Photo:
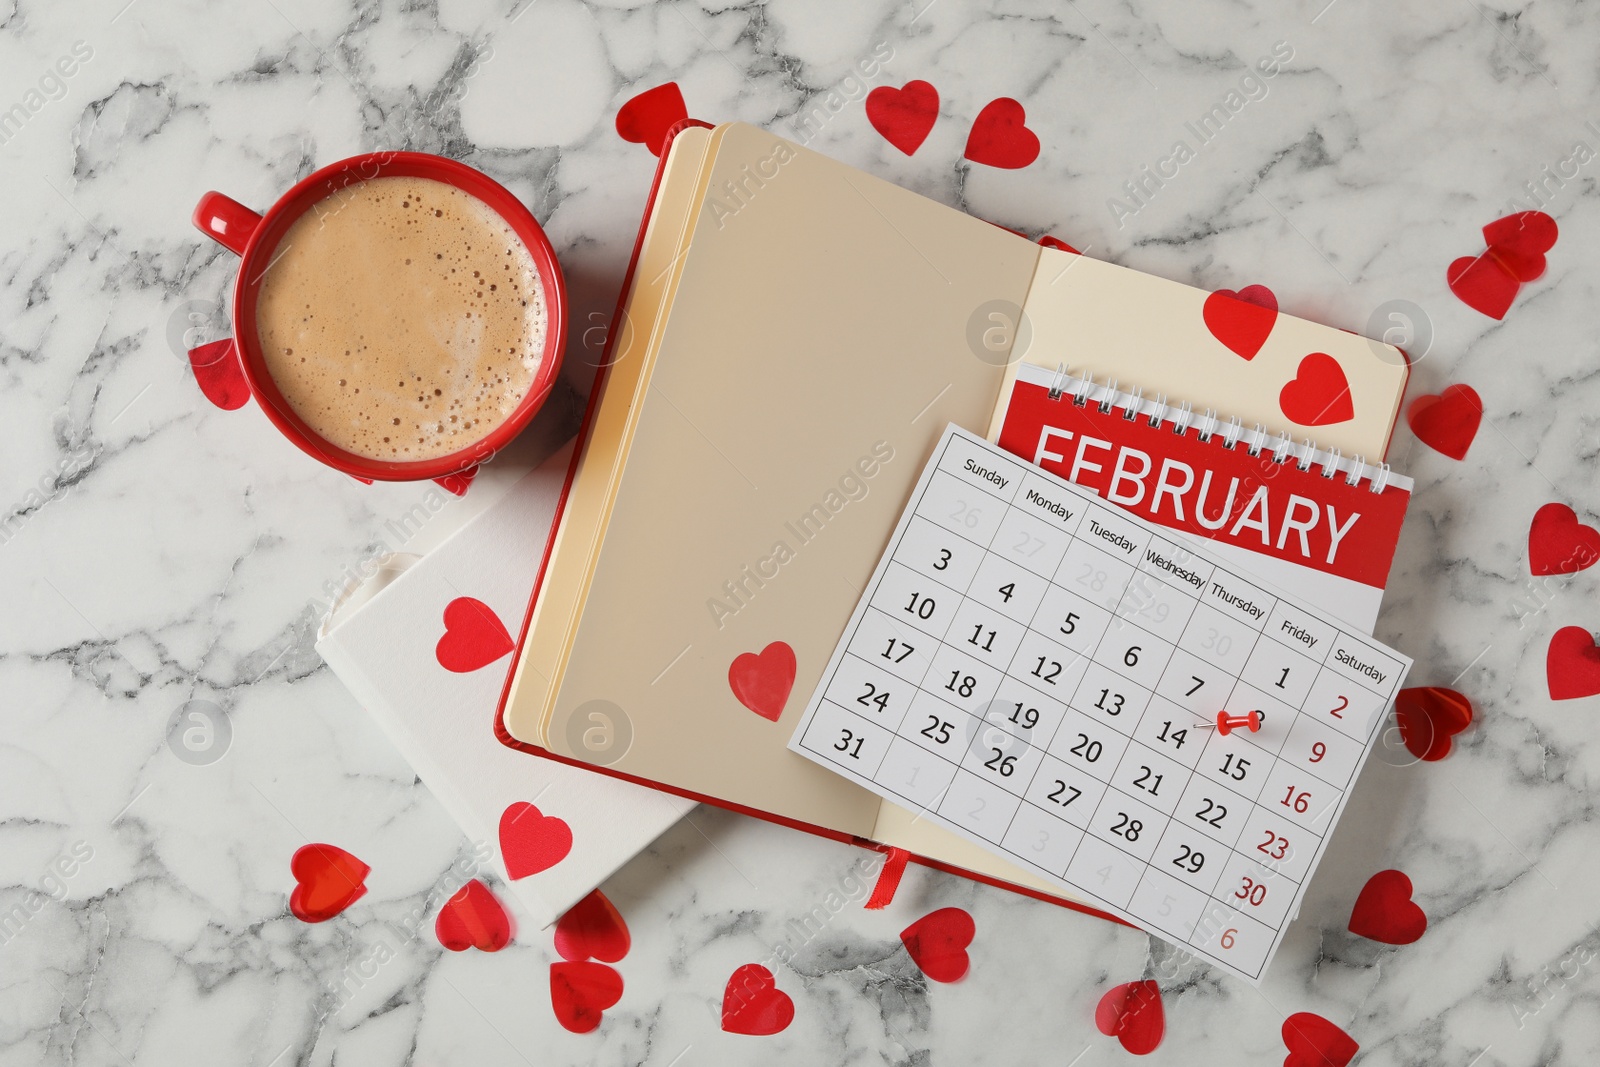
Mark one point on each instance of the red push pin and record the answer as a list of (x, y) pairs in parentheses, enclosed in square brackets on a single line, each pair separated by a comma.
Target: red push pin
[(1226, 723)]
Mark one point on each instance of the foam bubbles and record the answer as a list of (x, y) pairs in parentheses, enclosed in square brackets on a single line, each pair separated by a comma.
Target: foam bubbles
[(402, 319)]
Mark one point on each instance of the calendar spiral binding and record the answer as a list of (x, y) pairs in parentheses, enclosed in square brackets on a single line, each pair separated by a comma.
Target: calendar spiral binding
[(1278, 447)]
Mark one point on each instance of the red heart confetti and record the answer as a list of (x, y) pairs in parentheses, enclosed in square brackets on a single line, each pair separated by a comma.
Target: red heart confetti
[(938, 943), (1132, 1014), (1000, 136), (474, 636), (1429, 717), (1242, 321), (762, 681), (1319, 394), (646, 118), (1572, 664), (1527, 231), (904, 116), (1489, 282), (753, 1004), (457, 483), (1385, 912), (1481, 283), (1559, 544), (1057, 243), (531, 841), (1313, 1041), (581, 992), (219, 374), (592, 929), (327, 880), (473, 918), (1518, 242), (1448, 422)]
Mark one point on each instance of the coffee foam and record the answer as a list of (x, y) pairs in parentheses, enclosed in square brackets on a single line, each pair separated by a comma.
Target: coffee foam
[(402, 319)]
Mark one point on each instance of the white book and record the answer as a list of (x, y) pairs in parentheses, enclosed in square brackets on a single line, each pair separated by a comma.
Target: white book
[(383, 642)]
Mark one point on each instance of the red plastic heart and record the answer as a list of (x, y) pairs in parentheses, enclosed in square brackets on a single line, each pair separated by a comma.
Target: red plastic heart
[(646, 118), (761, 681), (1313, 1041), (1384, 910), (1572, 664), (458, 483), (592, 929), (581, 992), (753, 1004), (473, 638), (327, 880), (904, 116), (473, 918), (531, 841), (1132, 1013), (1559, 544), (1483, 284), (1447, 422), (1319, 394), (219, 374), (938, 943), (1429, 716), (1520, 241), (1000, 136), (1242, 321)]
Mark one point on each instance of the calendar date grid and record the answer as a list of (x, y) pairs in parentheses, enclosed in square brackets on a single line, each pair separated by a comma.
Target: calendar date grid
[(1241, 862), (1129, 827)]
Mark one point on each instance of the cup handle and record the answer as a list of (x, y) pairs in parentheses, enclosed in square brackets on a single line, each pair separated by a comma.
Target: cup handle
[(226, 221)]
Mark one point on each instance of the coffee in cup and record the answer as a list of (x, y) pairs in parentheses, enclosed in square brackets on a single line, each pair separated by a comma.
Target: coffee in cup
[(401, 318)]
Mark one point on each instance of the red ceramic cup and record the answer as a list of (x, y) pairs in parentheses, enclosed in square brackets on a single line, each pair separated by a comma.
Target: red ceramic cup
[(254, 238)]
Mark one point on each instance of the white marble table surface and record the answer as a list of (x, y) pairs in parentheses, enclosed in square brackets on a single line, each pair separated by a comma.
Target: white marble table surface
[(156, 550)]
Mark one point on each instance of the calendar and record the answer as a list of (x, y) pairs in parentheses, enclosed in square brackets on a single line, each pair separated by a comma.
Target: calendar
[(1042, 672)]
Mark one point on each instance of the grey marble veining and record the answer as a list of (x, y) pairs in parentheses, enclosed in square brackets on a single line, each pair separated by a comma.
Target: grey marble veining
[(154, 550)]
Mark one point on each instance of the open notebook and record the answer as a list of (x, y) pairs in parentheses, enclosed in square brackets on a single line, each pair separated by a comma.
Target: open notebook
[(795, 335)]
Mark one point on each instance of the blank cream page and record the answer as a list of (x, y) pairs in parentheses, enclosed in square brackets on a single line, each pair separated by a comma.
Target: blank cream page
[(1239, 358)]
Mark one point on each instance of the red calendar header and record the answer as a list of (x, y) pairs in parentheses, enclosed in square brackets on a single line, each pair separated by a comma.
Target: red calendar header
[(1203, 487)]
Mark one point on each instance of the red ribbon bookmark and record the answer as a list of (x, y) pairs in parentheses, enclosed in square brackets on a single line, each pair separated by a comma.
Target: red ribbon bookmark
[(894, 866)]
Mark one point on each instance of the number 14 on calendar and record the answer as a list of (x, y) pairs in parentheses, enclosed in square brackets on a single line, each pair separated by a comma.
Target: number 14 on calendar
[(1041, 672)]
